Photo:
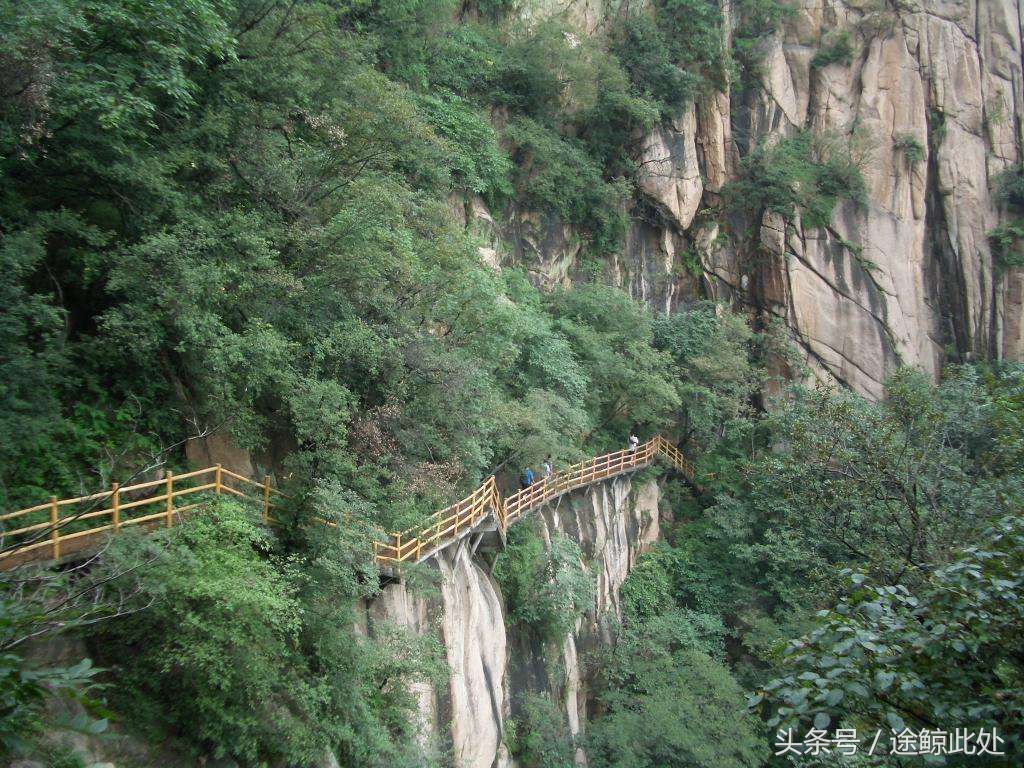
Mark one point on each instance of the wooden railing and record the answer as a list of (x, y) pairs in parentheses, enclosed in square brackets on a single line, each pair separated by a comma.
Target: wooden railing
[(419, 543), (64, 528)]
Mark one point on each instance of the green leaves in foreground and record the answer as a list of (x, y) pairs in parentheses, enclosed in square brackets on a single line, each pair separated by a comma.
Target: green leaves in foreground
[(947, 653)]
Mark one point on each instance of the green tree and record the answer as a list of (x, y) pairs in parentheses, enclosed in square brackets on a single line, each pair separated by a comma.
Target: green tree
[(714, 374), (668, 702), (539, 736), (546, 587), (946, 651), (612, 336), (254, 654)]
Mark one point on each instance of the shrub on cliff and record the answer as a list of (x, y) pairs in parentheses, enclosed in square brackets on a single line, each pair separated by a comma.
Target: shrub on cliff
[(1007, 240), (836, 48), (545, 589), (804, 173), (557, 177)]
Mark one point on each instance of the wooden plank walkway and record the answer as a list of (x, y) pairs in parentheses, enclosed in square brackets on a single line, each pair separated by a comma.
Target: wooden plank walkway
[(63, 529)]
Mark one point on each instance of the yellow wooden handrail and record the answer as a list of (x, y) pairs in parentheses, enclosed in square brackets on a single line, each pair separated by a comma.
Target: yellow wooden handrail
[(416, 544), (50, 542)]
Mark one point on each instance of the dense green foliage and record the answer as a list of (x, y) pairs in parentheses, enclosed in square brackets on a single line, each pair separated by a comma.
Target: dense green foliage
[(546, 588), (284, 171), (669, 700), (673, 51), (234, 218), (255, 653), (539, 738), (713, 369), (805, 174), (882, 537), (945, 650)]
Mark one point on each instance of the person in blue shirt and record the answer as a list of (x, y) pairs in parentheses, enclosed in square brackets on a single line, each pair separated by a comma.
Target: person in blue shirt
[(527, 478)]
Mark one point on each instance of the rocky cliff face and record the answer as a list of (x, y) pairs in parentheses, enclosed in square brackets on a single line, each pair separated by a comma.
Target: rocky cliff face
[(492, 664), (906, 278)]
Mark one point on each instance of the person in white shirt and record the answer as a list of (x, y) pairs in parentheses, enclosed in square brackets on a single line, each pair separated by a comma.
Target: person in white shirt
[(634, 443)]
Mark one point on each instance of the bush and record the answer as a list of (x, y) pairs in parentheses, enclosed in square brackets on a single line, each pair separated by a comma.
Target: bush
[(477, 163), (673, 51), (693, 29), (804, 173), (715, 378), (539, 737), (214, 654), (1006, 242), (649, 590), (253, 656), (646, 56), (465, 60), (530, 73), (912, 149), (837, 48), (758, 19), (555, 175), (672, 706), (609, 127), (630, 381), (545, 590)]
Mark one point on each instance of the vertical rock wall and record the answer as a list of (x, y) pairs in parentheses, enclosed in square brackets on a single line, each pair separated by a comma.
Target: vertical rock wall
[(491, 664), (908, 277)]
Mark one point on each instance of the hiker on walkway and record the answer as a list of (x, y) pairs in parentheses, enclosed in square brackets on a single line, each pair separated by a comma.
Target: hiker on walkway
[(634, 443), (549, 468), (527, 478)]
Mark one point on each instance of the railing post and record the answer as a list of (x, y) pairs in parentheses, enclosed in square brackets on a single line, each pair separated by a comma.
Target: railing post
[(217, 481), (398, 547), (54, 532), (169, 479), (266, 499), (115, 503)]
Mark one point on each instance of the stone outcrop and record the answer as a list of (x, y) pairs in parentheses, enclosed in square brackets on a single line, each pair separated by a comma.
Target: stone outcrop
[(930, 103), (909, 273), (669, 174), (491, 665)]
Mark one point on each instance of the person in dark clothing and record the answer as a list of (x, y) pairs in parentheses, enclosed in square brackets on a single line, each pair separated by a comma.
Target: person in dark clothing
[(527, 478)]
